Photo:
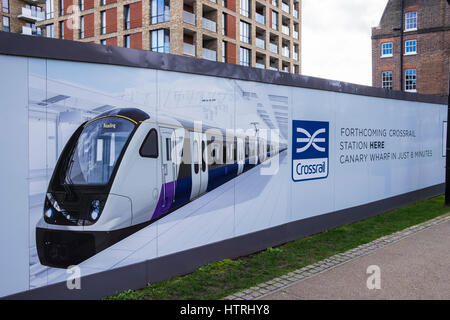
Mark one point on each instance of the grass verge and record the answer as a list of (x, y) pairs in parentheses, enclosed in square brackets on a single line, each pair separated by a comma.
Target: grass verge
[(220, 279)]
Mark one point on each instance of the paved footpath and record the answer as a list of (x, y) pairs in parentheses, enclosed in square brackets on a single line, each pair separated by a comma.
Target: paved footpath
[(413, 264)]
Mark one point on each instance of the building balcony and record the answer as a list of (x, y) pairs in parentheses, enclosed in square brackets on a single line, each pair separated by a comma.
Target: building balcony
[(273, 68), (31, 15), (295, 55), (295, 13), (295, 34), (260, 65), (189, 49), (209, 25), (285, 7), (31, 31), (285, 52), (285, 29), (209, 54), (260, 18), (260, 43), (273, 48), (189, 17)]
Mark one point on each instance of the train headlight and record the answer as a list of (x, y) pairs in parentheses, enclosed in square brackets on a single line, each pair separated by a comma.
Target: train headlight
[(49, 213), (53, 202), (95, 209)]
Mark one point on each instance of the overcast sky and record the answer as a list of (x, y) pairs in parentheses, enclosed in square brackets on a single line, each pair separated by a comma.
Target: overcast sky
[(336, 38)]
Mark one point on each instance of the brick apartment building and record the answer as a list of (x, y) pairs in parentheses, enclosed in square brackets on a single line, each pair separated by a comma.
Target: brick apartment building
[(21, 16), (411, 46), (256, 33)]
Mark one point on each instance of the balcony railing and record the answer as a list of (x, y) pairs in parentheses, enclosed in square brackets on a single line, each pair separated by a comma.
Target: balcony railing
[(295, 55), (189, 49), (209, 54), (295, 13), (260, 43), (31, 15), (31, 31), (285, 52), (189, 17), (285, 29), (260, 65), (260, 18), (295, 34), (285, 7), (209, 25), (273, 68), (273, 48)]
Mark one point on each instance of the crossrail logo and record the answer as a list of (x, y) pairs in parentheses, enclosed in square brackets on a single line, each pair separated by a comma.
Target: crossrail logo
[(310, 141)]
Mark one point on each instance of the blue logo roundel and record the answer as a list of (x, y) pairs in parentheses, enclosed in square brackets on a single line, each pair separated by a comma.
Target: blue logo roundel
[(310, 144)]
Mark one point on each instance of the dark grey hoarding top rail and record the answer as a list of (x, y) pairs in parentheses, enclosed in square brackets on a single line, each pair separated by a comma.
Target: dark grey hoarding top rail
[(38, 47)]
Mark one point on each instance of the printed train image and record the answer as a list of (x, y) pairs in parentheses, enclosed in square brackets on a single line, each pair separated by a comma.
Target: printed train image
[(123, 170)]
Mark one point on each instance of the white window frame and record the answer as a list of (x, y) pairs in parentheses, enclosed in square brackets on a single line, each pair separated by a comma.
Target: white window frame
[(245, 8), (410, 46), (245, 32), (246, 61), (409, 88), (411, 21), (387, 55), (386, 83)]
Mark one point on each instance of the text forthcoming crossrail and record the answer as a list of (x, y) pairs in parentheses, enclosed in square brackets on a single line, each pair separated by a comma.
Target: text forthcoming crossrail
[(310, 140)]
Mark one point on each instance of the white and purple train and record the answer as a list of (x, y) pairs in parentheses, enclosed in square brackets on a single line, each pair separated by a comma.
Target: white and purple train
[(123, 170)]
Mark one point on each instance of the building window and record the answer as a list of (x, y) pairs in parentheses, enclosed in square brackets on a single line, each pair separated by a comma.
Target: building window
[(103, 42), (224, 24), (411, 47), (81, 5), (244, 57), (49, 13), (103, 22), (160, 40), (61, 7), (61, 30), (160, 11), (126, 41), (386, 79), (6, 24), (410, 80), (386, 49), (49, 31), (5, 6), (274, 20), (126, 17), (245, 32), (224, 3), (224, 51), (245, 8), (103, 3), (411, 21), (81, 27)]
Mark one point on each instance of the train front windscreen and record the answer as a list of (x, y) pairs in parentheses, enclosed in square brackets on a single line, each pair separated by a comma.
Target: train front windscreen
[(97, 151)]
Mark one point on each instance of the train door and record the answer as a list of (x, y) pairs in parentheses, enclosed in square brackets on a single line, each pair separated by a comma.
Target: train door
[(168, 165), (240, 155), (199, 164)]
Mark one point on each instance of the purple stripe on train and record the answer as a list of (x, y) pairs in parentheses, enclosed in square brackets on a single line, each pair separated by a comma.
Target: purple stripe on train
[(165, 199)]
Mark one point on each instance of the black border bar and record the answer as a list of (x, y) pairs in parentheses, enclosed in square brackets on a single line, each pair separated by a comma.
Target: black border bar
[(48, 48)]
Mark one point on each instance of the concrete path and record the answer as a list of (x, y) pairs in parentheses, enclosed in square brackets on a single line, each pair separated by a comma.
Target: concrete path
[(416, 267)]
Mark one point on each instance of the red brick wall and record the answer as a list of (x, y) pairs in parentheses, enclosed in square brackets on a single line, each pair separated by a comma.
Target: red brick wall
[(135, 14), (231, 26), (110, 1), (67, 4), (231, 4), (231, 52), (111, 20), (89, 25), (88, 4), (136, 40), (111, 41), (68, 33)]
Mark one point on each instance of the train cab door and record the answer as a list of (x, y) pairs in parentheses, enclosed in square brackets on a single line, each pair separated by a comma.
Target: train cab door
[(168, 165), (199, 164)]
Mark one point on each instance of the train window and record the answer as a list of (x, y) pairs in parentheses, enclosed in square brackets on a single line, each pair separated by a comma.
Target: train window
[(203, 157), (149, 148), (168, 149), (195, 158), (224, 152), (246, 147), (235, 149)]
